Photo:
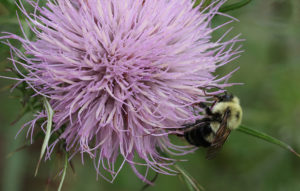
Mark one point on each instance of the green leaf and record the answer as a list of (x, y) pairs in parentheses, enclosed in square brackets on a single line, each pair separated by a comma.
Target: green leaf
[(268, 138), (64, 173), (48, 132), (148, 185), (7, 7), (204, 4), (26, 145), (17, 150), (192, 184), (234, 6)]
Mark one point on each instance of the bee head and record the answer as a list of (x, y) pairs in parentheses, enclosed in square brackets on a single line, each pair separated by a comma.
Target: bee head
[(227, 97)]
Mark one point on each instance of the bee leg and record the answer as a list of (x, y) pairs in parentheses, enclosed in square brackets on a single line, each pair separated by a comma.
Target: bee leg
[(205, 119), (188, 125), (202, 105), (197, 122), (206, 108)]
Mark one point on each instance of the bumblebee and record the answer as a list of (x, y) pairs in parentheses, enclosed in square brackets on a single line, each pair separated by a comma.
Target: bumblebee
[(220, 119)]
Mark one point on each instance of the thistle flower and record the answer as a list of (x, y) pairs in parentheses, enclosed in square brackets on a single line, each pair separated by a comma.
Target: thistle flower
[(122, 75)]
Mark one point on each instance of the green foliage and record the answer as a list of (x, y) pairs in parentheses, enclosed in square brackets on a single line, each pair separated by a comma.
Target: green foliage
[(7, 7), (204, 4), (224, 8), (266, 137), (50, 113), (63, 173), (190, 182), (234, 6)]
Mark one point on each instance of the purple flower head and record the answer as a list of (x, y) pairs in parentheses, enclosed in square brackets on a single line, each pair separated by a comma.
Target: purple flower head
[(122, 75)]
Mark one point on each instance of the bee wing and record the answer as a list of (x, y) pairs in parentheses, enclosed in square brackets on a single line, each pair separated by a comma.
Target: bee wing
[(220, 138)]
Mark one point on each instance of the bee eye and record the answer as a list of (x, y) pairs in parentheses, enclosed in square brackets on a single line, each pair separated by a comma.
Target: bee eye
[(226, 97), (237, 115), (229, 97)]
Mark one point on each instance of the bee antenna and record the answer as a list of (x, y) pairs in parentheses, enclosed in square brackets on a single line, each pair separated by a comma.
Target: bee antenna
[(210, 87)]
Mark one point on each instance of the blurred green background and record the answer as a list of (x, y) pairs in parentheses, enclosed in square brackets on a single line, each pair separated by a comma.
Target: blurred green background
[(270, 96)]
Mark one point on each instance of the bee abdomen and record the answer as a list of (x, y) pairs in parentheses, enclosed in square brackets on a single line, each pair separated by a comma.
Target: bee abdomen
[(197, 135)]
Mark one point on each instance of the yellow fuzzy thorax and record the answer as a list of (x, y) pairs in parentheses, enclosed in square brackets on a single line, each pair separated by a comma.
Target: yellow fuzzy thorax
[(235, 117)]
